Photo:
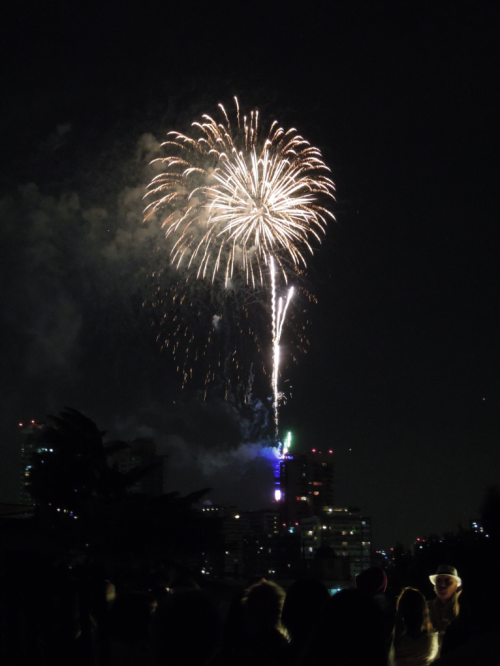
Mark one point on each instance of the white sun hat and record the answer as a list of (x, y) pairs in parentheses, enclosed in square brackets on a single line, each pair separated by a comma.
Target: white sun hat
[(446, 570)]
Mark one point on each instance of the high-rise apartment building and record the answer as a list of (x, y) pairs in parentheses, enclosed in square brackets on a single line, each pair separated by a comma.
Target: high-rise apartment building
[(346, 531), (308, 506), (263, 523), (307, 486), (29, 446)]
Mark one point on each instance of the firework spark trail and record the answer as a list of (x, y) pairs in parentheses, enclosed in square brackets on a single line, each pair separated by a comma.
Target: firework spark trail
[(233, 200), (278, 318)]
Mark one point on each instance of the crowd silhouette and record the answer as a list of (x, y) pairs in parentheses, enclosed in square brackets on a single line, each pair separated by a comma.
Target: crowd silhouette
[(94, 621)]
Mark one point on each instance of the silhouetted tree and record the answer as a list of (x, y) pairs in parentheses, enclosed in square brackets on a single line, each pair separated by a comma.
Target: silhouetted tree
[(84, 498), (71, 463)]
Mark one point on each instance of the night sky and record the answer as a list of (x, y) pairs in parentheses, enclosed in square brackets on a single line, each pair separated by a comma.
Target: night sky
[(401, 377)]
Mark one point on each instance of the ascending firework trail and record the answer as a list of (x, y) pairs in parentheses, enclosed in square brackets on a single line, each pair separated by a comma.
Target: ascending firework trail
[(233, 200)]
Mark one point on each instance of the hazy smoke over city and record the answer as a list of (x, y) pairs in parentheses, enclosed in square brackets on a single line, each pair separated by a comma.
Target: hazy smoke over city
[(76, 272)]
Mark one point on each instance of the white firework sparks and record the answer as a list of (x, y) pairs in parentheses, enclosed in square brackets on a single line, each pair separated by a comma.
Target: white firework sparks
[(278, 315), (230, 198)]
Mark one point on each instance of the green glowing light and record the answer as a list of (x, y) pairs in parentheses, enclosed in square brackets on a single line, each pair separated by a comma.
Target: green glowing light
[(288, 443)]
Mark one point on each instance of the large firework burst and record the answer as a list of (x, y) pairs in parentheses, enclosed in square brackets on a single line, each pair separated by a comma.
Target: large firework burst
[(235, 202), (232, 198)]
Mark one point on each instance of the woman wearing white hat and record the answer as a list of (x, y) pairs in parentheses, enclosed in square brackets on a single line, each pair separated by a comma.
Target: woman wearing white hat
[(444, 607)]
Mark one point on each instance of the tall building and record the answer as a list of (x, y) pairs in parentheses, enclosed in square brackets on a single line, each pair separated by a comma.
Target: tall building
[(308, 506), (233, 526), (350, 536), (310, 536), (307, 486), (263, 523), (29, 446), (246, 542), (345, 531)]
